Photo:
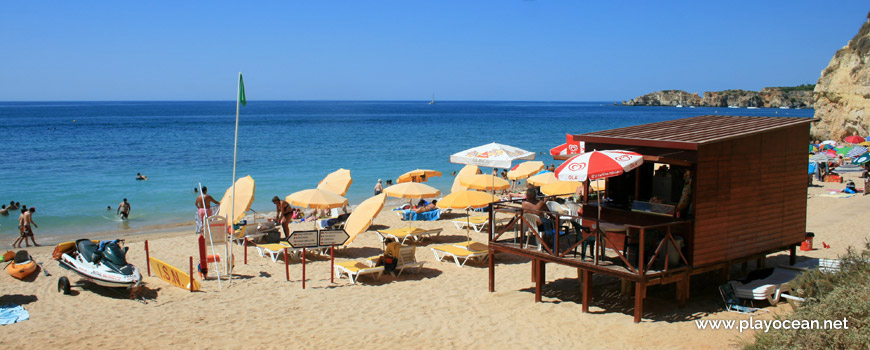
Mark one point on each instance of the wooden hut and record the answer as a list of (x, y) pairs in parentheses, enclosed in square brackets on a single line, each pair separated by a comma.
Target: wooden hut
[(746, 199)]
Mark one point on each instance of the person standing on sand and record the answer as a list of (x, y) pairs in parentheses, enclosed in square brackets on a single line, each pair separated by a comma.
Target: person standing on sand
[(283, 214), (203, 203), (25, 221), (124, 209), (379, 187)]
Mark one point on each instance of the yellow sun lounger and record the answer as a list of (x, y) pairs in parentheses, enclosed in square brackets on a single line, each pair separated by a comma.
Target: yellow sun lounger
[(405, 233), (478, 222), (275, 249), (354, 269), (461, 252)]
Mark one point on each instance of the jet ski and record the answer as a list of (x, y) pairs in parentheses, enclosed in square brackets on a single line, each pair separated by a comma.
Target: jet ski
[(106, 267)]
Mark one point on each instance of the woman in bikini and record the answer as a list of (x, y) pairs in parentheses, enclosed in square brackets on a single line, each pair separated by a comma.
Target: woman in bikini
[(283, 214)]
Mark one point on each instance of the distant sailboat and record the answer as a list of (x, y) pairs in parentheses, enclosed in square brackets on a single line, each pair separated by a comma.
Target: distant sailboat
[(680, 105), (433, 100)]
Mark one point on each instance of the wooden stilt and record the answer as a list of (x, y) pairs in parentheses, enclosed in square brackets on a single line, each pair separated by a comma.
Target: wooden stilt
[(587, 290), (491, 271), (539, 283), (792, 255), (639, 291)]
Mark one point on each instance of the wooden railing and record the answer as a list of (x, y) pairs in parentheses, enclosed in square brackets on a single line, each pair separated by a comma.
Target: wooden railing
[(601, 241)]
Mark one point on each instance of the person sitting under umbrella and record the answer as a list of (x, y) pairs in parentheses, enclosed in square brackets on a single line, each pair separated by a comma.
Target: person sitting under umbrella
[(536, 206), (427, 207)]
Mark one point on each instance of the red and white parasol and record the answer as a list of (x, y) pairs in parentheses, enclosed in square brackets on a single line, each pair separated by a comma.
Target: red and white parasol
[(598, 165)]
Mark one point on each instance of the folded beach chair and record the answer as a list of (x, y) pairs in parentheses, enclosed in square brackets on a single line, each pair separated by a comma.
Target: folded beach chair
[(275, 249), (403, 234), (408, 259), (769, 288), (461, 252), (354, 269), (824, 265), (411, 215), (732, 302)]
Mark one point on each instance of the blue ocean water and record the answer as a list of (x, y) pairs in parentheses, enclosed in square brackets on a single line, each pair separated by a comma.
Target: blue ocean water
[(71, 160)]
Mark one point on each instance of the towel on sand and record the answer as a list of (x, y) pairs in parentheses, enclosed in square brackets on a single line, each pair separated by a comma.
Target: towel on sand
[(11, 313)]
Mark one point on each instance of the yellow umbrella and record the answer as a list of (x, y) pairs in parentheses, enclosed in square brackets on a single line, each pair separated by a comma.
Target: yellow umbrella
[(466, 171), (484, 182), (525, 169), (316, 199), (336, 182), (865, 143), (418, 175), (412, 190), (361, 217), (466, 199), (244, 197), (561, 187), (542, 179)]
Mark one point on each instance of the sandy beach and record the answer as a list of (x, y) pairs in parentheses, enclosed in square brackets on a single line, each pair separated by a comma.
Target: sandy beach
[(442, 306)]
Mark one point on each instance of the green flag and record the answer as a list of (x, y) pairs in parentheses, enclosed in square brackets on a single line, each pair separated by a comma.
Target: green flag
[(241, 90)]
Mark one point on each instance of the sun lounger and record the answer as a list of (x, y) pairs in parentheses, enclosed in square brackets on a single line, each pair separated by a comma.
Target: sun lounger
[(411, 215), (354, 269), (478, 222), (769, 288), (403, 234), (824, 265), (275, 249), (732, 302), (460, 253), (408, 259)]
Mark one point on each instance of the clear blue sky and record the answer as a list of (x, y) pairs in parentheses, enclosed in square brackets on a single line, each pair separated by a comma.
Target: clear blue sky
[(406, 50)]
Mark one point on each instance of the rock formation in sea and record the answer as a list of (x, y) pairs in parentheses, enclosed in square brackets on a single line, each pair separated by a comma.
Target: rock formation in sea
[(843, 92), (770, 97)]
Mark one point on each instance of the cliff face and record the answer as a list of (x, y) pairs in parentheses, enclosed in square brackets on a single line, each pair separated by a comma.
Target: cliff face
[(771, 97), (843, 91)]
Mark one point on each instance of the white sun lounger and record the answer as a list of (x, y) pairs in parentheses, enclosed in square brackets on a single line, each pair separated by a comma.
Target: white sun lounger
[(275, 249), (461, 252), (769, 288), (478, 222), (408, 259), (354, 269)]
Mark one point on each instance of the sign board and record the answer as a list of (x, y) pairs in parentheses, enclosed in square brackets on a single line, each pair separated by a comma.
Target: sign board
[(303, 239), (172, 275), (330, 237)]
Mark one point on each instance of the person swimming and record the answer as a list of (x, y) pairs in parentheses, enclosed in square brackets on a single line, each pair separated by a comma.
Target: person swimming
[(140, 177)]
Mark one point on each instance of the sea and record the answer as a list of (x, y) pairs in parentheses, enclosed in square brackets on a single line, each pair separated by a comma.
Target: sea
[(76, 161)]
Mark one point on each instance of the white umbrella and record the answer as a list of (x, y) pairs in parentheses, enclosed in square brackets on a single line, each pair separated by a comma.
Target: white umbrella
[(493, 155)]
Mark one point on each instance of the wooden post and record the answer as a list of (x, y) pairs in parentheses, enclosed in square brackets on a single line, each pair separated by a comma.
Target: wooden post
[(191, 274), (246, 250), (147, 258), (556, 236), (792, 256), (539, 285), (641, 263), (491, 262), (303, 268), (286, 266), (587, 290), (639, 291), (491, 222), (332, 263)]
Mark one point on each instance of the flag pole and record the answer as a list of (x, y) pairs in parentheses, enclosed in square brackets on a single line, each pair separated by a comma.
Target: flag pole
[(230, 222)]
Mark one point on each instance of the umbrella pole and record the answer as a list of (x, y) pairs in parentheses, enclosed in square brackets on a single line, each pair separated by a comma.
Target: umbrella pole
[(598, 222), (467, 223)]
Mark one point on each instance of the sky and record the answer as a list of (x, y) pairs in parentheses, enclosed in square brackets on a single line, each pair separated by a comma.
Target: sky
[(541, 50)]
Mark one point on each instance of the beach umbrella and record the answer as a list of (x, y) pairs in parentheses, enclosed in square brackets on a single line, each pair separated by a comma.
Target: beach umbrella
[(598, 165), (542, 179), (525, 170), (821, 158), (854, 139), (862, 159), (412, 190), (561, 188), (865, 143), (418, 175), (831, 153), (466, 200), (484, 182), (829, 142), (361, 217), (568, 149), (465, 171), (850, 168), (842, 151), (493, 155), (316, 199), (856, 151), (336, 182), (244, 197)]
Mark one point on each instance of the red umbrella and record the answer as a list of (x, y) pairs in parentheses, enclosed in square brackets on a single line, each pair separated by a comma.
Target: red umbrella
[(854, 139), (598, 165)]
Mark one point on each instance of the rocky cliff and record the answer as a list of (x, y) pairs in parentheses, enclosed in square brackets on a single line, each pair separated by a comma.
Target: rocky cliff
[(770, 97), (843, 91)]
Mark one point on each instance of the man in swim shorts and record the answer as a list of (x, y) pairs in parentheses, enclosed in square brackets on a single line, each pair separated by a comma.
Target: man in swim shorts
[(124, 209), (203, 204), (25, 221)]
